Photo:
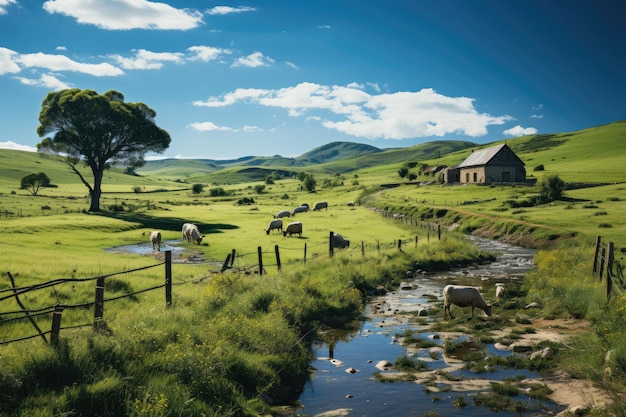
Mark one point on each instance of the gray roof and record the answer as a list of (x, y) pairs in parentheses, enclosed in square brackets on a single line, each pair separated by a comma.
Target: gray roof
[(482, 156)]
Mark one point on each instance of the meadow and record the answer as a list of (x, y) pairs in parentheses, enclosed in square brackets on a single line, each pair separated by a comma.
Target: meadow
[(236, 343)]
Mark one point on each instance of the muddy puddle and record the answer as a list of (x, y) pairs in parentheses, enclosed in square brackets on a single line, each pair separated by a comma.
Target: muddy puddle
[(344, 383), (180, 253)]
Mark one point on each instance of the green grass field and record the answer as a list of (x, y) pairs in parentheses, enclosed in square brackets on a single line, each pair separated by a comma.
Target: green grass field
[(226, 328)]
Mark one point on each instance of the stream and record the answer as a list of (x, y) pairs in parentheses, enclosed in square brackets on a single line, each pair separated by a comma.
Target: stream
[(343, 382)]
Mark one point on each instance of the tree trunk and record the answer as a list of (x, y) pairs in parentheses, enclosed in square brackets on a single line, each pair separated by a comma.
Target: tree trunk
[(96, 192)]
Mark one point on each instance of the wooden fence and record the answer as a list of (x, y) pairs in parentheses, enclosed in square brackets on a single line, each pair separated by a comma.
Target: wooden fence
[(604, 259), (99, 301)]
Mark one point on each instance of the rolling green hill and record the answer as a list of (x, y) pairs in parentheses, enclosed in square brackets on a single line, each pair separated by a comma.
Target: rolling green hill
[(590, 155)]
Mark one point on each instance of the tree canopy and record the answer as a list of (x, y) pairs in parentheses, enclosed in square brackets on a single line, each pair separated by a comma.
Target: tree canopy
[(33, 182), (98, 130)]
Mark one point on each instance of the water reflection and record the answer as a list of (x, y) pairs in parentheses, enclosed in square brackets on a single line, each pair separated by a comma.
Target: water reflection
[(333, 389)]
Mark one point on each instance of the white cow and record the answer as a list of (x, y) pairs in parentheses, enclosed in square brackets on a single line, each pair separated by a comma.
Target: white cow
[(155, 239), (293, 228), (463, 296), (191, 233), (274, 224)]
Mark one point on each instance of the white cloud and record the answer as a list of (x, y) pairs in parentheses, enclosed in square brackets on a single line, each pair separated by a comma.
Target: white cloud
[(207, 53), (61, 48), (536, 116), (46, 80), (352, 111), (7, 62), (126, 14), (292, 65), (255, 59), (147, 59), (520, 131), (208, 127), (222, 10), (63, 63), (324, 27), (4, 4), (252, 129), (16, 146)]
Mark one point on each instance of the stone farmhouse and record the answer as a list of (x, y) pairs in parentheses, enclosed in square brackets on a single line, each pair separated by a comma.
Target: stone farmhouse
[(496, 164)]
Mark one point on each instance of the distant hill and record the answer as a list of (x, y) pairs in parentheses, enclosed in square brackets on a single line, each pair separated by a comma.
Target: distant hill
[(334, 157), (336, 151), (595, 154)]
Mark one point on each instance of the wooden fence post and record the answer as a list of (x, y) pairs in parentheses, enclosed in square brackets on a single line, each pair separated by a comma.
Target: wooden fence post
[(98, 307), (304, 252), (362, 248), (19, 302), (168, 278), (609, 271), (225, 264), (260, 253), (56, 326), (399, 244), (602, 258), (595, 254), (277, 257), (416, 241), (232, 257), (438, 232), (330, 245)]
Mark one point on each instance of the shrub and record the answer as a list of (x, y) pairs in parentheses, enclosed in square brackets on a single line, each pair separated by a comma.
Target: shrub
[(217, 192), (197, 188), (539, 167), (551, 188)]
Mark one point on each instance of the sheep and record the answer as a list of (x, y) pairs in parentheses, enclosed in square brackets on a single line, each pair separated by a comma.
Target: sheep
[(191, 233), (463, 296), (274, 224), (321, 205), (300, 209), (293, 228), (282, 213), (155, 239), (339, 242)]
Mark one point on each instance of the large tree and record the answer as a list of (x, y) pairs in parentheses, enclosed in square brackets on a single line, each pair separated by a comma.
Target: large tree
[(98, 130)]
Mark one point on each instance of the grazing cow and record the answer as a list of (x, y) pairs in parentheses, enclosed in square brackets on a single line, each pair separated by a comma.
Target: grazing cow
[(320, 205), (191, 233), (155, 239), (339, 242), (463, 296), (300, 209), (350, 203), (274, 224), (293, 228), (282, 213)]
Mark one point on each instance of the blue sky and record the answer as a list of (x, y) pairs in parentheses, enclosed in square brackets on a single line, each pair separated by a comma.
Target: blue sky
[(281, 77)]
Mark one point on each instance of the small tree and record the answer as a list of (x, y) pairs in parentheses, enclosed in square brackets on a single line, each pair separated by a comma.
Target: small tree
[(197, 188), (269, 180), (309, 183), (551, 188), (402, 172), (259, 188), (33, 182)]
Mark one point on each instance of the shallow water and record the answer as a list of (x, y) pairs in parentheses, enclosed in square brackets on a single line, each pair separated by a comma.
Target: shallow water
[(358, 394)]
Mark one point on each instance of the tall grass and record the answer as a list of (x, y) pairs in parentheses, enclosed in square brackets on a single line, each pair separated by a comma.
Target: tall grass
[(231, 346), (564, 285)]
